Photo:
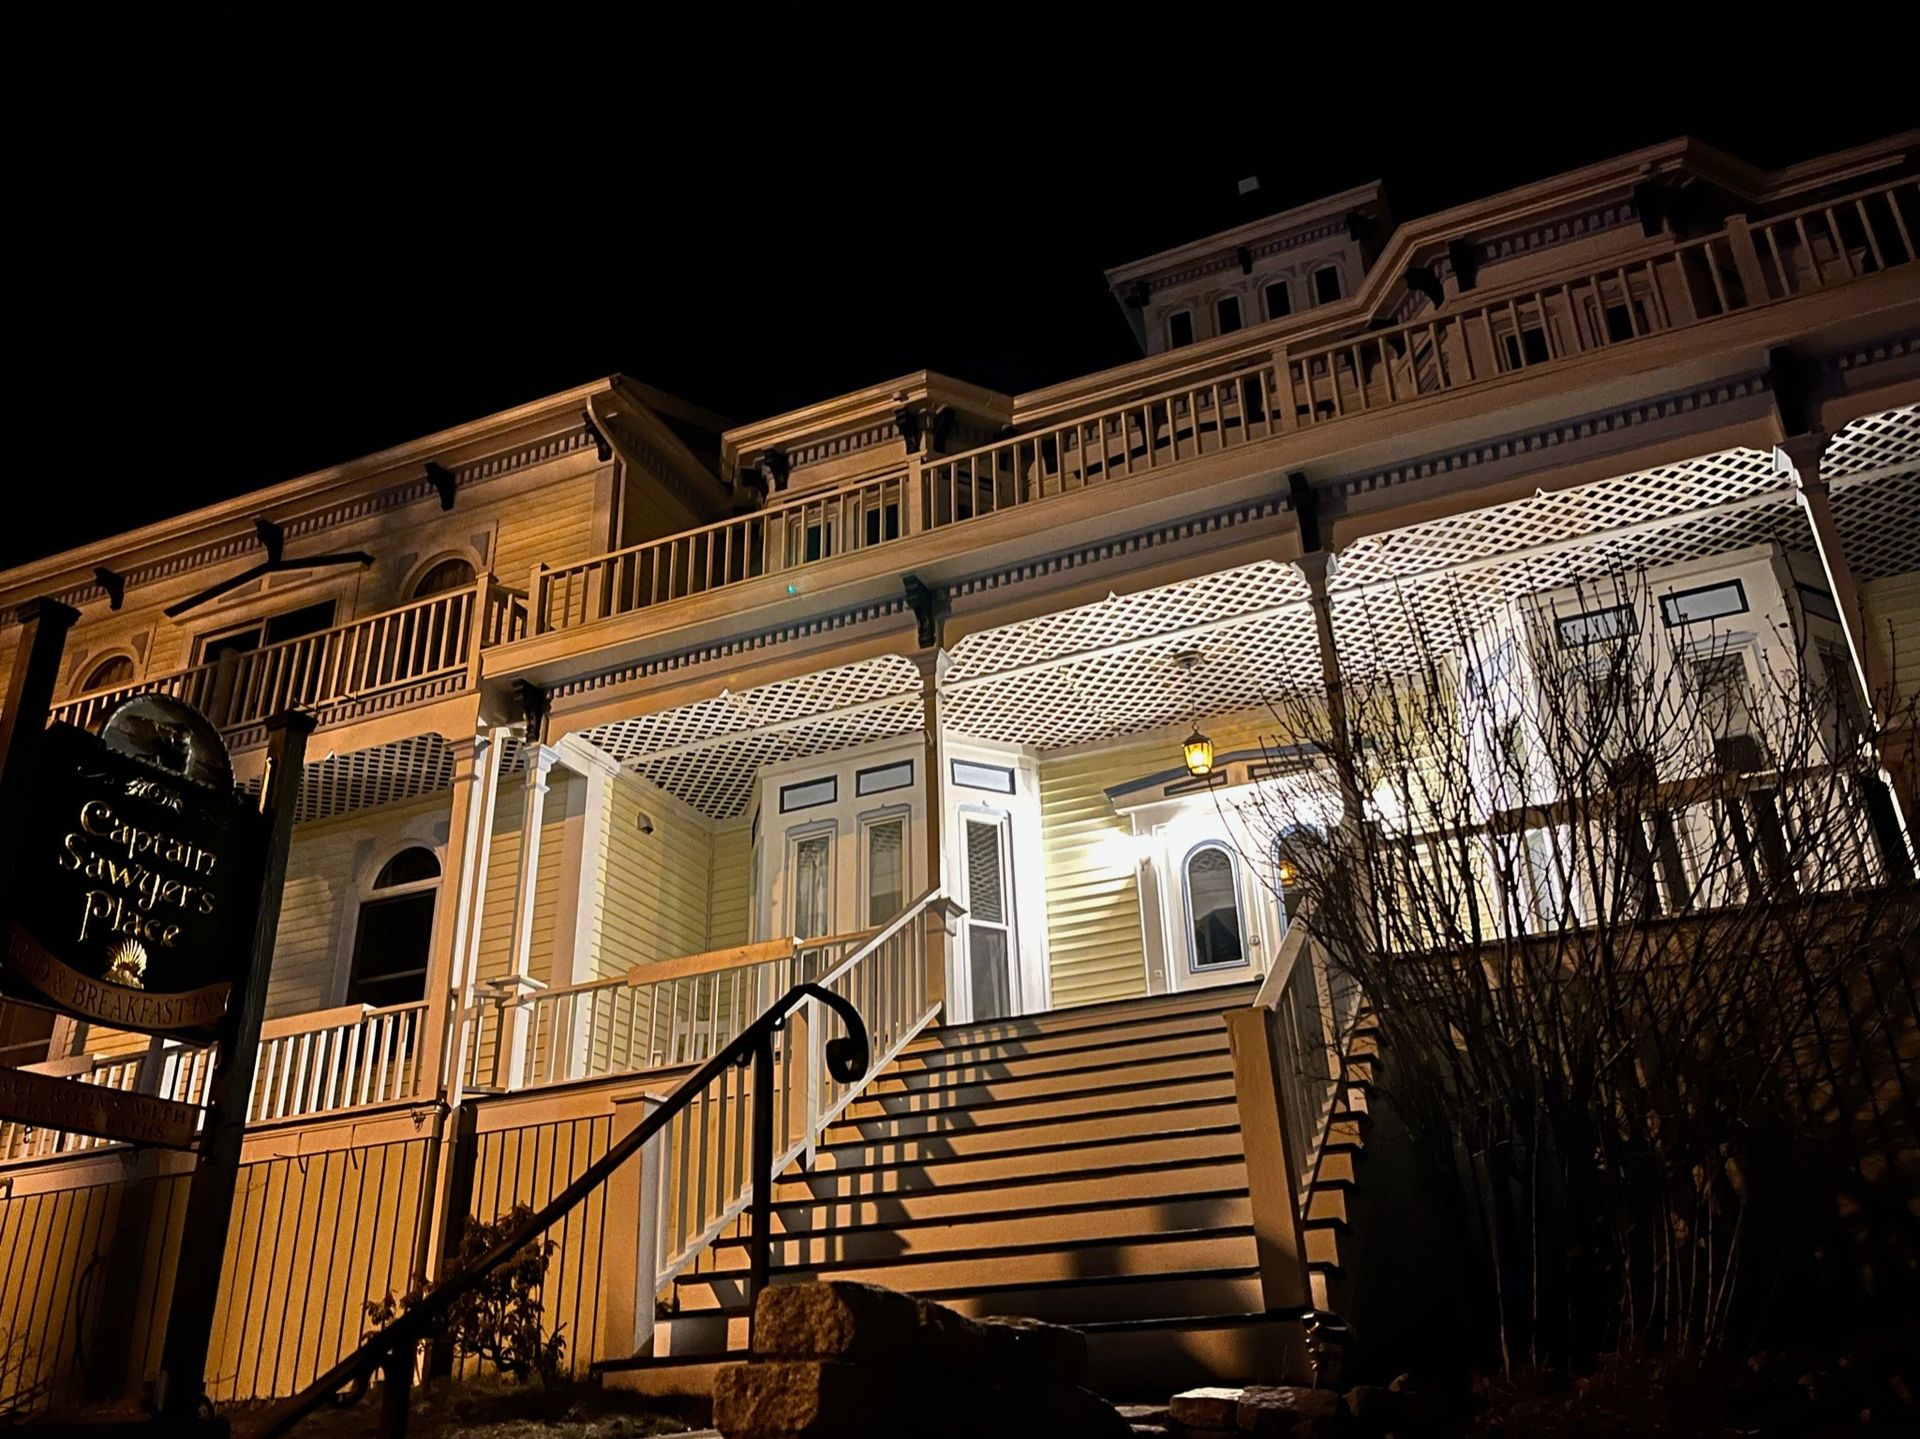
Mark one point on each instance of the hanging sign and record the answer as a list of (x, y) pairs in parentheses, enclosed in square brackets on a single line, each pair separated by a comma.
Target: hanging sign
[(136, 876)]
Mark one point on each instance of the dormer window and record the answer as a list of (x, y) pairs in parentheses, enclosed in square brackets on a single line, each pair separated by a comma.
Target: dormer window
[(1326, 284), (1179, 329), (1279, 300), (1226, 314)]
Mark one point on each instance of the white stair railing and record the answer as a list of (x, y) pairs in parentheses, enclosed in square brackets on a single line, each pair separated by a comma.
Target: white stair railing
[(699, 1166)]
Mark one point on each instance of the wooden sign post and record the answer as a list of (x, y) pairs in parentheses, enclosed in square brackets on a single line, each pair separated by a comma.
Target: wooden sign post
[(139, 889)]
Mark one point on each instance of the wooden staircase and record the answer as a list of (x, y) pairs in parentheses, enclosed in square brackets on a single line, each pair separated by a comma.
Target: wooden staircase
[(1083, 1166)]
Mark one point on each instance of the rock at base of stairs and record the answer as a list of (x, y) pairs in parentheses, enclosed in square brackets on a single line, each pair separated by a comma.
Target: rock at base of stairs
[(1280, 1411), (841, 1361), (868, 1324)]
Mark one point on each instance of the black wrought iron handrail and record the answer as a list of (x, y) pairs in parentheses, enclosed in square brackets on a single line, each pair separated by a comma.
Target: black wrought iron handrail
[(392, 1350)]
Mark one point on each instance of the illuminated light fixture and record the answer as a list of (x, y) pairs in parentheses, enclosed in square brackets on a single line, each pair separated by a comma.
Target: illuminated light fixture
[(793, 589), (1286, 872), (1197, 750)]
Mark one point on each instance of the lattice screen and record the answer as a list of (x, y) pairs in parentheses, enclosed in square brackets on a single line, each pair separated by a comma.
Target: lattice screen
[(707, 753), (344, 783), (1112, 668), (1874, 442)]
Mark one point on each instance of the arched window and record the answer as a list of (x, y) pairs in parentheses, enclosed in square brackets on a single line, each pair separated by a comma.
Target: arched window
[(110, 673), (395, 931), (1213, 909), (452, 573)]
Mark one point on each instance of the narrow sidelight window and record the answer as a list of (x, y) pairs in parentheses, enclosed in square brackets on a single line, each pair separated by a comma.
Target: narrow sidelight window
[(886, 861), (812, 872), (989, 918)]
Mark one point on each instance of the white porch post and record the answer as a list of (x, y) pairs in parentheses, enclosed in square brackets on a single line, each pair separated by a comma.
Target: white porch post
[(539, 761), (932, 664), (463, 892), (1800, 457), (598, 771)]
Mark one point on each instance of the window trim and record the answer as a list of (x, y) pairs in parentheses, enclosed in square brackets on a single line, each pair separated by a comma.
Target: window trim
[(1239, 908), (367, 894), (1012, 778), (86, 685), (1673, 622), (410, 590), (830, 780), (1562, 625), (860, 790)]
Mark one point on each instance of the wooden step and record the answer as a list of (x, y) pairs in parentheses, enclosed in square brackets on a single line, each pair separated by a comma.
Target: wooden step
[(1183, 1108), (1114, 1095), (1115, 1073), (1012, 1223), (1023, 1265), (1148, 1176), (1226, 1291), (1085, 1017), (1036, 1048), (990, 1067), (888, 1167)]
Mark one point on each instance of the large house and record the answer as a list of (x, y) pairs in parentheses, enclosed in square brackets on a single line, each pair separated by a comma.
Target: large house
[(629, 718)]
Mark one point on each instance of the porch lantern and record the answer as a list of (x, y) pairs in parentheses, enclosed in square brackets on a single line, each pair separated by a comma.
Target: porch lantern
[(1199, 754)]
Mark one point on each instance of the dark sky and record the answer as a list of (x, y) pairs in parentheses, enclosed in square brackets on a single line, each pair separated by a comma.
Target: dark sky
[(241, 254)]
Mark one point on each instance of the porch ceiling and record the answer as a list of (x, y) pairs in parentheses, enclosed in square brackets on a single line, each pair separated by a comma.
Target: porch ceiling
[(707, 753), (338, 784), (1112, 668)]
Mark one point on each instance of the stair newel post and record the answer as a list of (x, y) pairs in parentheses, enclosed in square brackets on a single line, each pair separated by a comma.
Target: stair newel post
[(396, 1392), (760, 1253), (1272, 1168)]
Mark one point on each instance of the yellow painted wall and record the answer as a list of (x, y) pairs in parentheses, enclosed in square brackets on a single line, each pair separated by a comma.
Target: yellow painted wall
[(654, 886), (566, 795), (1094, 946), (730, 887)]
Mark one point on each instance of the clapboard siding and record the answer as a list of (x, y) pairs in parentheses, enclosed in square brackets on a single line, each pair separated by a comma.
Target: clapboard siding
[(731, 887), (565, 796), (653, 891), (1094, 946), (1893, 620), (563, 526)]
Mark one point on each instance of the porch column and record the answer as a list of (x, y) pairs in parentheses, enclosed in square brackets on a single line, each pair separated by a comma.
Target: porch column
[(463, 887), (932, 664), (540, 760), (435, 1040), (1800, 456)]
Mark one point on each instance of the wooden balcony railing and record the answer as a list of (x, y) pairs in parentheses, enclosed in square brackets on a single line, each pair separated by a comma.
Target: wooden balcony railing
[(1667, 286), (309, 1064), (419, 651), (1740, 268)]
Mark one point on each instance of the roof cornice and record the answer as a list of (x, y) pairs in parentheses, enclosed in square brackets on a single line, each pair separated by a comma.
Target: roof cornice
[(474, 451)]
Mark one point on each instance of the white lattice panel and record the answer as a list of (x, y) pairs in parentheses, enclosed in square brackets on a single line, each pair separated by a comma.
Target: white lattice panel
[(1119, 620), (1880, 524), (1552, 518), (707, 753), (1873, 442), (345, 783), (1143, 686)]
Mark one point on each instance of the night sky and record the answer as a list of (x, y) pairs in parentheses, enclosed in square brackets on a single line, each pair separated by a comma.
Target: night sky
[(241, 255)]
